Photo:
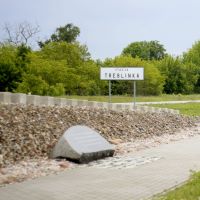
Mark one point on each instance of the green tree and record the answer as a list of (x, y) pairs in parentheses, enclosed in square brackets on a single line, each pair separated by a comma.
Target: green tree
[(67, 33), (193, 54), (179, 77), (22, 56), (146, 50), (73, 54), (51, 75), (89, 82), (56, 90), (33, 84), (61, 70), (192, 59), (13, 61), (73, 60)]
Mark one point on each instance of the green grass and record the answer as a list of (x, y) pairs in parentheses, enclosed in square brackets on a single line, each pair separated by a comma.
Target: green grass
[(192, 109), (121, 99), (189, 191)]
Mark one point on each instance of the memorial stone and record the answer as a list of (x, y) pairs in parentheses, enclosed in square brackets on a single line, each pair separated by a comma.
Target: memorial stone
[(82, 144)]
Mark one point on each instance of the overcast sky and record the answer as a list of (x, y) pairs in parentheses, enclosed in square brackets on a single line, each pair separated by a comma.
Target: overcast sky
[(107, 26)]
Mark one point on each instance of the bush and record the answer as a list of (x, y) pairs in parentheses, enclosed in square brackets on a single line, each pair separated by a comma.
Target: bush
[(33, 84), (56, 90)]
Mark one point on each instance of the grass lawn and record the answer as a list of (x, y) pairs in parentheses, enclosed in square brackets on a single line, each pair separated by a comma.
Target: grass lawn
[(121, 99), (192, 109), (189, 191)]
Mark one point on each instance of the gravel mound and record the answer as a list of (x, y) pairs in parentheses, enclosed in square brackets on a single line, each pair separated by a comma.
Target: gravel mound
[(31, 132)]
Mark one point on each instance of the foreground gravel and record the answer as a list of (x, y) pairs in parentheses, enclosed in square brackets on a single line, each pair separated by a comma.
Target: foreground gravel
[(34, 168), (28, 133), (31, 132)]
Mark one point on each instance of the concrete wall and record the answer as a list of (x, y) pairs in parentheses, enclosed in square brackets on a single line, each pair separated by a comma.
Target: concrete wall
[(19, 98)]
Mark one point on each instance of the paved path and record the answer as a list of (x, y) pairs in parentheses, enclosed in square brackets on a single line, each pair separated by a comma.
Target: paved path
[(89, 183), (164, 102)]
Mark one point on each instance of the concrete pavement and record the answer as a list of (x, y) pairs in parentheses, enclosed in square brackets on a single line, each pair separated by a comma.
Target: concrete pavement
[(177, 159), (163, 102)]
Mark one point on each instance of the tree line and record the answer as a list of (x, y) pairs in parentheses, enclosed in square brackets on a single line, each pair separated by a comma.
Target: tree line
[(63, 66)]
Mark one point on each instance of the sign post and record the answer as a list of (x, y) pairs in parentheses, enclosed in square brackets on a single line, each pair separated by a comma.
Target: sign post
[(134, 94), (109, 91), (122, 73)]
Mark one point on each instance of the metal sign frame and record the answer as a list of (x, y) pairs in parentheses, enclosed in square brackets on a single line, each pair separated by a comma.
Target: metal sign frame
[(122, 73)]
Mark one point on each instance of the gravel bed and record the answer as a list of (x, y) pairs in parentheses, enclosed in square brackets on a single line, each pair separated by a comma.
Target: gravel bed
[(31, 132), (124, 158), (28, 133)]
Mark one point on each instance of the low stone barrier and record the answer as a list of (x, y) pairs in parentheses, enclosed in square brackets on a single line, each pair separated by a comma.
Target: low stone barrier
[(19, 98), (5, 97)]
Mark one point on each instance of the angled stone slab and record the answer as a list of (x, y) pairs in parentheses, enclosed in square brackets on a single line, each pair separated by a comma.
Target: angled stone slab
[(82, 144)]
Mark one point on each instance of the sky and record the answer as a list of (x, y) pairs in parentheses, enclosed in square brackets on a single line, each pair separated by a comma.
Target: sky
[(108, 26)]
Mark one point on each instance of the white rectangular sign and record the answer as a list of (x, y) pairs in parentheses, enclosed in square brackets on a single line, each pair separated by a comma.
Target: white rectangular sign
[(122, 73)]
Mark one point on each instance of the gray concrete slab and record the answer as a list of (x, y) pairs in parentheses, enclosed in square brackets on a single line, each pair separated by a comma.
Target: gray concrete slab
[(83, 144), (162, 102), (177, 159)]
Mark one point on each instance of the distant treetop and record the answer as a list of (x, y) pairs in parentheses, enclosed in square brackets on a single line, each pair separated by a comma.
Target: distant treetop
[(67, 33), (146, 50)]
